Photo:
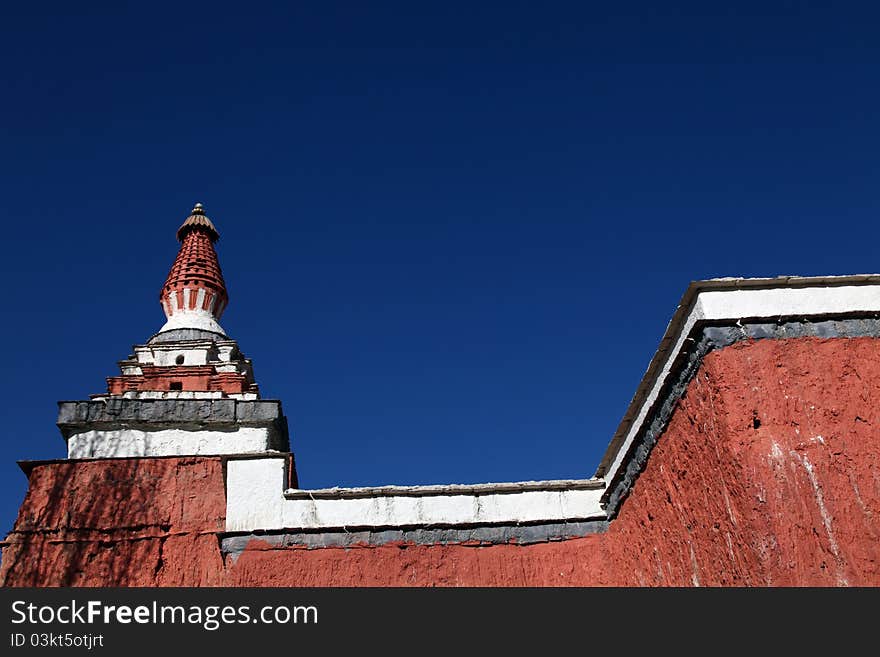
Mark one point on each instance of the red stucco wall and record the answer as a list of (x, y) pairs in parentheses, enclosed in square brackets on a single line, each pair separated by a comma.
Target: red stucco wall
[(768, 474)]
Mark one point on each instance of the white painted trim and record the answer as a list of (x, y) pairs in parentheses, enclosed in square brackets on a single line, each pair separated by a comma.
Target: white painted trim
[(198, 353), (729, 300), (164, 394), (196, 319), (256, 500)]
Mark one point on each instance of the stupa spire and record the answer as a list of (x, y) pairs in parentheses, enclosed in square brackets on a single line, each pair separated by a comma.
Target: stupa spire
[(197, 218), (194, 295), (189, 389)]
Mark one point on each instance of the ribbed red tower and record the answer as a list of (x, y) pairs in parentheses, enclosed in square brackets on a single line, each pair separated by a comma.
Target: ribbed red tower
[(194, 294)]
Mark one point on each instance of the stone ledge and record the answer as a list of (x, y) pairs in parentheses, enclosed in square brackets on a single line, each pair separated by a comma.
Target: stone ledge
[(188, 335), (165, 427), (443, 489), (76, 415)]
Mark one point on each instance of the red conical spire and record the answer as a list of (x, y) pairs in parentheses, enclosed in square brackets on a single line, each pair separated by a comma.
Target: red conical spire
[(194, 294)]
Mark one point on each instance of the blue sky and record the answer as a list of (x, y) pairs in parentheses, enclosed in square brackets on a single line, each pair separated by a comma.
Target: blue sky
[(453, 233)]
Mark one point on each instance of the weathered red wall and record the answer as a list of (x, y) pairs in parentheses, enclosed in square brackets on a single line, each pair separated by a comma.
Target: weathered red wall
[(767, 474), (127, 522)]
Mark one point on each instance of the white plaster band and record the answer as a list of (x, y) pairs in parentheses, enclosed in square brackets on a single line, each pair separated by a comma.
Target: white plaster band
[(255, 500), (193, 319), (732, 300), (128, 442)]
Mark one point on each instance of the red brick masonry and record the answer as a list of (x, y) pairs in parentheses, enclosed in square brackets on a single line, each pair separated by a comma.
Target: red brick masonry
[(768, 474), (188, 377)]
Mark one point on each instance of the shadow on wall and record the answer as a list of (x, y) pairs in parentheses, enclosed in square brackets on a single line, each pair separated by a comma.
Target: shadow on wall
[(65, 523), (106, 523)]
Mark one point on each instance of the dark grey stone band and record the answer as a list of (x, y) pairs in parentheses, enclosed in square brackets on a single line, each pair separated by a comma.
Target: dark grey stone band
[(214, 414), (704, 339), (186, 335), (474, 536)]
